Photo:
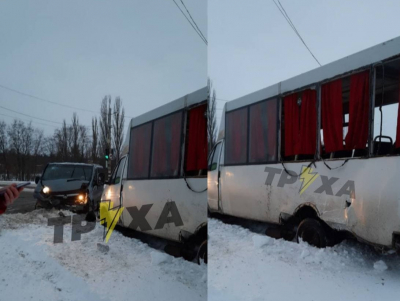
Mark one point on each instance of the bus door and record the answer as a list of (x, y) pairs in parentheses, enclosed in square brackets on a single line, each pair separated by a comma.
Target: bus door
[(213, 178), (113, 191)]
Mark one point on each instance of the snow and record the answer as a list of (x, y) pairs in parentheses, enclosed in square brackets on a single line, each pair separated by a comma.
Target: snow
[(34, 268), (243, 266), (260, 241), (380, 266)]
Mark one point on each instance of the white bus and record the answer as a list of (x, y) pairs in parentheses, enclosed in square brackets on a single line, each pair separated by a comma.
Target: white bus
[(161, 178), (317, 153)]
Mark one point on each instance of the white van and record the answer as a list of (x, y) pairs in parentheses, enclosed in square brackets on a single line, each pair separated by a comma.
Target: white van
[(317, 153), (161, 178)]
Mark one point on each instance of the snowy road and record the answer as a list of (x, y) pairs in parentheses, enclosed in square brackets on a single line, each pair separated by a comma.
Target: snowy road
[(244, 265), (33, 268)]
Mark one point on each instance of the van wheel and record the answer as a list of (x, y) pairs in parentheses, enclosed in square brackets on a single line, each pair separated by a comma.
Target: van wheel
[(313, 232), (201, 256)]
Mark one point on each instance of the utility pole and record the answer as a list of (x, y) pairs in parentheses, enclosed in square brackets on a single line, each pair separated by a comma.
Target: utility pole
[(109, 137)]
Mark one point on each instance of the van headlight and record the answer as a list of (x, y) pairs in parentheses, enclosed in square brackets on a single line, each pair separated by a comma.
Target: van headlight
[(82, 198), (46, 190)]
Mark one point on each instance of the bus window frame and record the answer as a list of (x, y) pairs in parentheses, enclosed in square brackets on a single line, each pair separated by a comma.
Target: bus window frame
[(181, 151), (277, 98)]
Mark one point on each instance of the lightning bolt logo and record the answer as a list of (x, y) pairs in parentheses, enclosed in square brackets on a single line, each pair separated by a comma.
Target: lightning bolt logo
[(307, 177), (109, 217)]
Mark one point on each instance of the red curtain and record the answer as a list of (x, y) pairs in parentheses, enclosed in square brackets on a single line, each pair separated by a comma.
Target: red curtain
[(292, 115), (196, 147), (236, 137), (332, 115), (176, 130), (140, 152), (159, 148), (272, 128), (308, 123), (300, 124), (397, 144), (357, 135), (166, 146), (257, 142)]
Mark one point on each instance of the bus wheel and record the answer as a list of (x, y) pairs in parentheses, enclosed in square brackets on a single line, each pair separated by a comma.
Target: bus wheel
[(313, 232), (201, 256)]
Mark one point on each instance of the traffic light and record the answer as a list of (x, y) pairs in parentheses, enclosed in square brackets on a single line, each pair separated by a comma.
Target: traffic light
[(107, 155)]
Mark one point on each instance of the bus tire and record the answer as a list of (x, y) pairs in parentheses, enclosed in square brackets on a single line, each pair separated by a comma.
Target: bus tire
[(313, 232), (201, 256)]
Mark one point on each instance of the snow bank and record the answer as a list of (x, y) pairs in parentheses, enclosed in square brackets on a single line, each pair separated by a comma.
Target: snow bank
[(34, 268), (243, 266), (260, 241), (158, 258)]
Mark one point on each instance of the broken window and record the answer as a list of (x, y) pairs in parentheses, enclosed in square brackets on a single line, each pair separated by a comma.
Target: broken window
[(386, 123), (344, 116)]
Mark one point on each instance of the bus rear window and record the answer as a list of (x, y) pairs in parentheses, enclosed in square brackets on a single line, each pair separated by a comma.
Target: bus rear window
[(166, 146)]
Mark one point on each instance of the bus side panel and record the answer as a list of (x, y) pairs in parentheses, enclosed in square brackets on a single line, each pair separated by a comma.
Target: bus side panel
[(362, 196), (191, 206)]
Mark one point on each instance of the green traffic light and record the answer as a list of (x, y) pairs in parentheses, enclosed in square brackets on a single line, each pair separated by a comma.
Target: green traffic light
[(106, 157)]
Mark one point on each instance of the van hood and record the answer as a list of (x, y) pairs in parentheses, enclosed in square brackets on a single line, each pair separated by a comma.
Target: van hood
[(61, 185)]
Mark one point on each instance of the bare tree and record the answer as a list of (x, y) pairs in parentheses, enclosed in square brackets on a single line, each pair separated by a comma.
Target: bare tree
[(4, 149), (37, 148), (50, 146), (15, 133), (74, 138), (95, 140), (106, 102), (211, 116), (27, 147), (118, 126)]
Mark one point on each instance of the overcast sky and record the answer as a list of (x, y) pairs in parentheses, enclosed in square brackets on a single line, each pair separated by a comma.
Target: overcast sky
[(76, 52), (251, 46)]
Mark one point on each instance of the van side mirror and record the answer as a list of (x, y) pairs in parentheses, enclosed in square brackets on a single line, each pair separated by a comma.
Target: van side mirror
[(37, 179)]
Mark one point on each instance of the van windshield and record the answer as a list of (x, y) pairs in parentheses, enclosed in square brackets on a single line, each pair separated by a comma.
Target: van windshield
[(65, 171)]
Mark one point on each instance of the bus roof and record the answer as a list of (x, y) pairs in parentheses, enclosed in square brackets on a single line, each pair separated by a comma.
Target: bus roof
[(349, 63), (175, 105)]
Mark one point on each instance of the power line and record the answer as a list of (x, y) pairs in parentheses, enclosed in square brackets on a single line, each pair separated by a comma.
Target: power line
[(194, 22), (45, 100), (29, 120), (287, 18), (36, 117), (49, 101), (205, 41)]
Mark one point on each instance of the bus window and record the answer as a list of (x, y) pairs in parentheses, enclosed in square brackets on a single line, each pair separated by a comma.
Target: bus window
[(299, 125), (166, 149), (236, 137), (139, 152), (263, 132), (387, 97), (196, 142), (344, 116)]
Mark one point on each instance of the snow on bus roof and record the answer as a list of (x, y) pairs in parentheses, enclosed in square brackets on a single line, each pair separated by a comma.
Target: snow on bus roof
[(180, 103), (349, 63)]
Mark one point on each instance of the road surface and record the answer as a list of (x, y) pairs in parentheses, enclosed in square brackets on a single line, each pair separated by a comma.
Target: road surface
[(25, 203)]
